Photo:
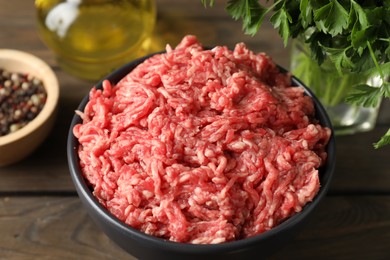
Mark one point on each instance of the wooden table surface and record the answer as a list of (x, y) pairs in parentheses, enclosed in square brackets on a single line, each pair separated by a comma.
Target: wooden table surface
[(41, 216)]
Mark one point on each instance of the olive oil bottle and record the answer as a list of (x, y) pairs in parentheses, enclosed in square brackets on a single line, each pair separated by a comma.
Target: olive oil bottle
[(93, 37)]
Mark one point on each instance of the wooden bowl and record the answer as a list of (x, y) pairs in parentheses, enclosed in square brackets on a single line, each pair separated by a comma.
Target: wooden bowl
[(18, 145)]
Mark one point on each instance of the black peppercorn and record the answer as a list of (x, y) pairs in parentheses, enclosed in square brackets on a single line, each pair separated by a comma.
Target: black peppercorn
[(22, 97)]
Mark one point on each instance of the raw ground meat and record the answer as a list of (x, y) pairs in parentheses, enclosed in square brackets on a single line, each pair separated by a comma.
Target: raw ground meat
[(202, 146)]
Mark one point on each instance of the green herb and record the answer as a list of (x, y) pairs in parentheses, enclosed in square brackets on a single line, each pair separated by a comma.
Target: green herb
[(383, 141), (354, 35)]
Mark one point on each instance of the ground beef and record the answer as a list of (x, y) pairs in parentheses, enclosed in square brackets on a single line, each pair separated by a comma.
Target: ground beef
[(202, 146)]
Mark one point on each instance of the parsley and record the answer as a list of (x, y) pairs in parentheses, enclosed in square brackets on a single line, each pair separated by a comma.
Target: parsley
[(251, 13), (383, 141), (354, 35)]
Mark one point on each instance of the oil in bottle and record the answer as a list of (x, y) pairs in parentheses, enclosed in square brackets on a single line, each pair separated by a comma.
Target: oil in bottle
[(93, 37)]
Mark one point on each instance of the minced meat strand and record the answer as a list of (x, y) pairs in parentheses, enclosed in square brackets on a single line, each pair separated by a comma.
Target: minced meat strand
[(202, 145)]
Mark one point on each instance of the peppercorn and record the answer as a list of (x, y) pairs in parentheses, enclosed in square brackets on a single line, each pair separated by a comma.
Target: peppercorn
[(22, 97)]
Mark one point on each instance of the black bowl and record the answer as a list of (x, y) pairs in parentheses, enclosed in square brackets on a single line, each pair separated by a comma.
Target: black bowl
[(144, 246)]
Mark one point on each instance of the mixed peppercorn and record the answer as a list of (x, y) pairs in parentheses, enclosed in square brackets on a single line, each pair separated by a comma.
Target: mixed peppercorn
[(22, 97)]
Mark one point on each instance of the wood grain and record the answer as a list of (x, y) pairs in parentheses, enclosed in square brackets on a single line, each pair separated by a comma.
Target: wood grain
[(343, 227), (51, 228), (360, 167)]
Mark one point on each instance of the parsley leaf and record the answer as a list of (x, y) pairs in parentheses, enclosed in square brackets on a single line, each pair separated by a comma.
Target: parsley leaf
[(332, 18), (251, 13), (365, 95), (386, 91), (305, 13), (339, 57), (387, 50), (314, 42), (357, 13), (281, 19), (385, 140)]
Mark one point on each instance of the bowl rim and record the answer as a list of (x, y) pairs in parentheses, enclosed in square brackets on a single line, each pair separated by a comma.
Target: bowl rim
[(83, 189), (50, 83)]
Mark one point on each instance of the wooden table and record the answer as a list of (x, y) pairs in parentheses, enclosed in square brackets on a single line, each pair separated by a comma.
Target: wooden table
[(41, 216)]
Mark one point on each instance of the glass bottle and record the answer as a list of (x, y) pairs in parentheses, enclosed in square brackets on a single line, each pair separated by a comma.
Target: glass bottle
[(331, 88), (93, 37)]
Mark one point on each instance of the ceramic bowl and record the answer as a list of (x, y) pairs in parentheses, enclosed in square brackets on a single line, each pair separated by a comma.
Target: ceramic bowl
[(18, 145), (144, 246)]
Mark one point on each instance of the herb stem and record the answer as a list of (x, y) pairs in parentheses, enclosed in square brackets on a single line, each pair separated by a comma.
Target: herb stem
[(344, 86), (375, 61), (329, 85)]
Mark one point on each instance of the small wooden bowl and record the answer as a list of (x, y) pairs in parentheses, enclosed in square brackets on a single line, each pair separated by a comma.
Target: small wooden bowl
[(21, 143)]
